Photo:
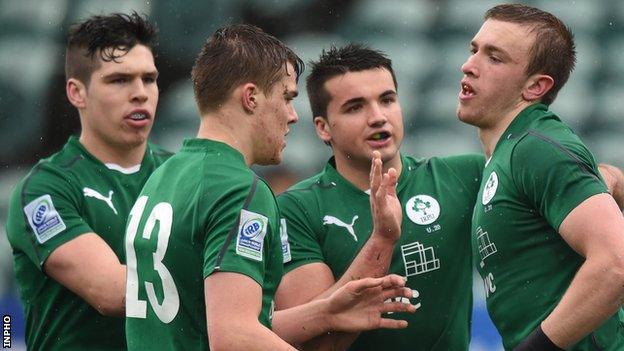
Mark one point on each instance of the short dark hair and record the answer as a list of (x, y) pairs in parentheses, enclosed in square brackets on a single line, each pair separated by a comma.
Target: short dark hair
[(338, 61), (110, 37), (553, 52), (237, 54)]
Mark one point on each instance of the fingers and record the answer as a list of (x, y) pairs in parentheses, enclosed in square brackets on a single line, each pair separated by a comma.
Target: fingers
[(397, 306), (389, 281), (375, 174), (360, 285), (399, 292), (393, 178), (392, 280), (387, 323)]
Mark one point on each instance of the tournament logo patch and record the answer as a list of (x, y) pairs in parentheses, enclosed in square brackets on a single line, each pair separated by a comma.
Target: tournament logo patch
[(252, 228), (43, 218), (490, 188), (284, 239), (422, 209)]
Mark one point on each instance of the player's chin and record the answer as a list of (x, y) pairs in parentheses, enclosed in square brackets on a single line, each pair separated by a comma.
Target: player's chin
[(387, 152), (136, 139), (272, 160), (465, 115)]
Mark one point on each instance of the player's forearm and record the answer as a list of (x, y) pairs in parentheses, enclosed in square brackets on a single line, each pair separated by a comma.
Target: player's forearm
[(107, 293), (334, 341), (301, 323), (234, 335), (595, 294), (372, 261)]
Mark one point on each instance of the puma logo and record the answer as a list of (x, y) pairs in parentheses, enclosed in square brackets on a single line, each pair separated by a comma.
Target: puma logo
[(109, 200), (333, 220)]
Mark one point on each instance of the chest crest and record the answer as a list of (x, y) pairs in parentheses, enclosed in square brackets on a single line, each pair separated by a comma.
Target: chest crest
[(422, 209)]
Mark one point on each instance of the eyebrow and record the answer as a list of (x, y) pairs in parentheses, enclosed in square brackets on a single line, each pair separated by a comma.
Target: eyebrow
[(153, 74), (361, 99)]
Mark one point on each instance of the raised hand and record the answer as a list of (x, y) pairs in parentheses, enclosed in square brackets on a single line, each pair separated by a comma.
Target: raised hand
[(359, 304), (385, 206)]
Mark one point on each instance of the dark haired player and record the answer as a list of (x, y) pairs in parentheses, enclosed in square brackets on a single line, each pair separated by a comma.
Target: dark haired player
[(355, 103), (67, 216)]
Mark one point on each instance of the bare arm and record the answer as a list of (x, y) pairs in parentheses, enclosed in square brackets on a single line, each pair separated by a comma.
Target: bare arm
[(233, 304), (87, 266), (595, 229), (614, 178)]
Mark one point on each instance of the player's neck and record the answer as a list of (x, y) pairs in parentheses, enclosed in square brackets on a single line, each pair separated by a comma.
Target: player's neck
[(223, 128), (491, 133), (358, 172), (123, 155)]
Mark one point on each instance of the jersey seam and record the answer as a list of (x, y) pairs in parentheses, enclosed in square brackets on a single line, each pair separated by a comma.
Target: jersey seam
[(578, 161), (234, 228), (34, 171), (71, 162)]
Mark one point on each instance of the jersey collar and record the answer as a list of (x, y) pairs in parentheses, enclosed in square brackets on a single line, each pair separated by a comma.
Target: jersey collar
[(74, 143), (332, 177), (198, 144), (524, 120)]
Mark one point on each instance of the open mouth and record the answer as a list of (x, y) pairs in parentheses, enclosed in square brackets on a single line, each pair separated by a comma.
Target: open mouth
[(138, 116), (380, 136), (467, 90)]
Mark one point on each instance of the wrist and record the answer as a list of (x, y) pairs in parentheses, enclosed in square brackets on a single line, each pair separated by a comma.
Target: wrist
[(326, 316), (383, 239), (537, 341)]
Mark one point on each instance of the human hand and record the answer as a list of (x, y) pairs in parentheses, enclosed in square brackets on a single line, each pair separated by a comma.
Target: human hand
[(359, 304), (385, 206)]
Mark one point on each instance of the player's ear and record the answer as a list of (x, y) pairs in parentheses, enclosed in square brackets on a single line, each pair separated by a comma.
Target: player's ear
[(249, 97), (76, 93), (323, 129), (537, 86)]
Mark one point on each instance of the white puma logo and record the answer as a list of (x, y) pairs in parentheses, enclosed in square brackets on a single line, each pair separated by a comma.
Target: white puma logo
[(109, 200), (336, 221)]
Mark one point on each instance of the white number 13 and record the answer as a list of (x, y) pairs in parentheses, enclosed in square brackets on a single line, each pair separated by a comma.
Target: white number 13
[(168, 309)]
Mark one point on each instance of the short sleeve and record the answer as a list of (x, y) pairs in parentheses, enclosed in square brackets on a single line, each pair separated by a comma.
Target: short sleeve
[(44, 213), (554, 176), (240, 229), (303, 240)]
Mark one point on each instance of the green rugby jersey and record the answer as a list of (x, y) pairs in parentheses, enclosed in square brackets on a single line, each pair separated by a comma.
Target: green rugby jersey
[(64, 196), (203, 211), (328, 220), (539, 172)]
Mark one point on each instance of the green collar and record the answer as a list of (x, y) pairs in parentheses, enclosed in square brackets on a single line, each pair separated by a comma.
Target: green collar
[(331, 175), (197, 144)]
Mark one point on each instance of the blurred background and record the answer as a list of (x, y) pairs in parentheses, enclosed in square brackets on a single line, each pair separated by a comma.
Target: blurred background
[(427, 41)]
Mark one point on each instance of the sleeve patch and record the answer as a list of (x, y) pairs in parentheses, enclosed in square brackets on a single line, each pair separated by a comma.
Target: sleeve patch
[(284, 240), (43, 218), (252, 229)]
